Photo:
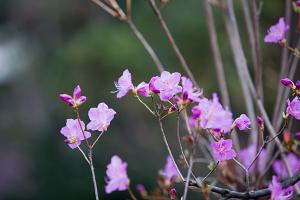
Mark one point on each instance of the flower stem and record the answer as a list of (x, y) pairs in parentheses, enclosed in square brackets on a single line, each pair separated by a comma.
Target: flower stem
[(95, 142), (93, 174), (131, 193)]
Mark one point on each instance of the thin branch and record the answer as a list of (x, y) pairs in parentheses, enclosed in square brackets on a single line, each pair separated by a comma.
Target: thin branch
[(172, 41), (187, 180), (131, 193), (99, 136), (169, 150), (246, 171), (93, 173), (211, 171), (81, 151), (106, 8)]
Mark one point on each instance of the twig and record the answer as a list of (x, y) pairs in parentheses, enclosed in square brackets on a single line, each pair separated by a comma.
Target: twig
[(169, 150), (99, 136), (93, 173), (172, 41), (131, 193), (211, 171), (146, 45), (106, 8), (187, 180), (246, 171), (87, 160), (152, 112)]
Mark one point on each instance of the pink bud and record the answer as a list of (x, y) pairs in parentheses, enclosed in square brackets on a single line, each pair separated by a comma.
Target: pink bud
[(287, 82), (297, 135), (77, 92), (260, 122), (298, 85)]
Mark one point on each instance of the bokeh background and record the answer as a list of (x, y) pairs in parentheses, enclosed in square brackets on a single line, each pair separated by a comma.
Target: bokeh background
[(48, 47)]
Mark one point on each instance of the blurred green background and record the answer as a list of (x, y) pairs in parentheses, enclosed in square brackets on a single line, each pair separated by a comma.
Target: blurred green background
[(48, 47)]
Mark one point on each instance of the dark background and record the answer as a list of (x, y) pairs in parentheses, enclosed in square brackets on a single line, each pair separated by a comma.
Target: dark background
[(48, 47)]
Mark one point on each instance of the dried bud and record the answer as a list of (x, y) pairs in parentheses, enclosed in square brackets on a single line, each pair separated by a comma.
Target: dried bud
[(287, 136)]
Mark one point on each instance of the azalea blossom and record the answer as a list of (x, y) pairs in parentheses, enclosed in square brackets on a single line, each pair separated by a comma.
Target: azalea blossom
[(168, 85), (143, 89), (293, 108), (212, 115), (117, 178), (276, 33), (151, 84), (100, 117), (169, 172), (75, 100), (222, 150), (278, 192), (247, 155), (189, 92), (72, 131), (242, 122), (124, 84)]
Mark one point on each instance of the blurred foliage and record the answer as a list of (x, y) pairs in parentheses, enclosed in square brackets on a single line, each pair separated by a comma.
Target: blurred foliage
[(56, 45)]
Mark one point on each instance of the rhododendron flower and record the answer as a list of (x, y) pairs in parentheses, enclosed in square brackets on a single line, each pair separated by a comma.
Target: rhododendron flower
[(287, 82), (72, 131), (124, 84), (222, 150), (189, 92), (293, 108), (168, 85), (169, 172), (242, 122), (248, 154), (212, 115), (277, 32), (117, 178), (143, 89), (279, 167), (100, 117), (278, 192), (75, 100), (151, 84)]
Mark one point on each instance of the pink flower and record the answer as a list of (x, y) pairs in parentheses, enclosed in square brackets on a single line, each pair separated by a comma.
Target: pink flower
[(72, 131), (279, 167), (277, 32), (76, 100), (287, 82), (117, 178), (169, 172), (293, 108), (143, 89), (151, 85), (222, 150), (278, 192), (248, 154), (124, 84), (212, 115), (243, 122), (100, 117), (168, 85), (189, 92)]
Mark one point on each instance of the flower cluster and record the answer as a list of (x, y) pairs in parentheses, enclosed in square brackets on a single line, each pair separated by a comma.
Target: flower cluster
[(74, 130), (167, 86)]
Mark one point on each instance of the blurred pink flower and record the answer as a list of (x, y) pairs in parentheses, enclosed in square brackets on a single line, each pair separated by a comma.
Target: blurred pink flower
[(293, 108), (117, 178), (189, 92), (279, 167), (242, 122), (278, 192), (247, 155), (124, 84), (276, 33), (100, 117), (212, 115), (169, 172), (151, 84), (76, 100), (222, 150), (72, 131), (260, 122), (168, 85)]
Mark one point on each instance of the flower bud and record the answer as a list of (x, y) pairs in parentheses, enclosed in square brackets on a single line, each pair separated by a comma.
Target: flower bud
[(260, 122), (173, 193), (287, 82)]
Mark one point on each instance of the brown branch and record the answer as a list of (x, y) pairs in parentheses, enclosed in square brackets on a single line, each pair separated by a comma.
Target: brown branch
[(172, 41)]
